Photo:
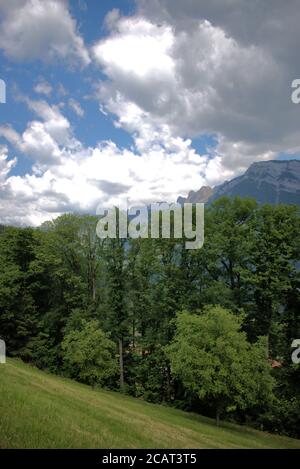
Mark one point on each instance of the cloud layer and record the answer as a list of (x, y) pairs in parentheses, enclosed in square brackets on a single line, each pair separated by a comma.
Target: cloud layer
[(202, 76), (68, 176), (173, 72), (45, 30)]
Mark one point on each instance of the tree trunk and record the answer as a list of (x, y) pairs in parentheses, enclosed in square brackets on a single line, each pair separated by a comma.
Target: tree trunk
[(268, 346), (168, 385), (133, 334), (94, 287), (121, 363)]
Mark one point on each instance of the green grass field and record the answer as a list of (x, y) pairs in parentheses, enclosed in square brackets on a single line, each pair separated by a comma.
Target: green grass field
[(38, 410)]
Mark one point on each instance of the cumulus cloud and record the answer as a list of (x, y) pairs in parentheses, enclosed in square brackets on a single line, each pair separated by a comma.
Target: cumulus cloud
[(40, 29), (68, 176), (42, 140), (197, 68), (269, 25), (85, 178), (56, 125)]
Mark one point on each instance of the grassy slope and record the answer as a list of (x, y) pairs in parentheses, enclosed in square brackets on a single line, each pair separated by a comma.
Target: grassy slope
[(38, 410)]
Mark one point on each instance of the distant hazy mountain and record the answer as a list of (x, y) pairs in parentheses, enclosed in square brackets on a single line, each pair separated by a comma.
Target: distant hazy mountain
[(271, 182)]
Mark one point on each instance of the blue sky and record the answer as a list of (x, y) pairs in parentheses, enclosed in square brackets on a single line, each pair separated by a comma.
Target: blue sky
[(142, 101), (78, 84)]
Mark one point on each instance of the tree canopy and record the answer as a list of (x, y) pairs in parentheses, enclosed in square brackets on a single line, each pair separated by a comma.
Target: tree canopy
[(61, 285)]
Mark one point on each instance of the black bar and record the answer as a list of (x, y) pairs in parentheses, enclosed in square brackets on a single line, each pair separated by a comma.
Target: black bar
[(138, 458)]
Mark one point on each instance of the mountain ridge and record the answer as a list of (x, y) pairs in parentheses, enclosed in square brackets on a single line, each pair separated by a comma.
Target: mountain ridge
[(273, 182)]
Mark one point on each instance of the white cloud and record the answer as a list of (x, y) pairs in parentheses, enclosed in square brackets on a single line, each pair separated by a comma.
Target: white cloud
[(70, 177), (76, 107), (40, 29), (83, 179), (5, 164), (112, 18), (54, 122), (42, 140), (43, 87), (61, 90), (173, 73), (10, 134), (138, 48)]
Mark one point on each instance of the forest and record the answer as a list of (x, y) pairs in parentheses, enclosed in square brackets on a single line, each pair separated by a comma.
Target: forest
[(206, 330)]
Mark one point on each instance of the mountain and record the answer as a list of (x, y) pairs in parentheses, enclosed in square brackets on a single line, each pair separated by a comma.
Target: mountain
[(270, 182), (202, 195)]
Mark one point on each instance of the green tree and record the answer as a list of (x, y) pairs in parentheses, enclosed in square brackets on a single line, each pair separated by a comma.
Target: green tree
[(18, 312), (114, 311), (213, 359), (272, 269), (225, 251), (88, 354)]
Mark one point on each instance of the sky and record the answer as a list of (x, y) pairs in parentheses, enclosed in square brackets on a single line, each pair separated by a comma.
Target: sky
[(138, 101)]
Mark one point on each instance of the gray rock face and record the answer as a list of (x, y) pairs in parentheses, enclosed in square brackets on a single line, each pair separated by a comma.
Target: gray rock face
[(270, 182), (202, 195)]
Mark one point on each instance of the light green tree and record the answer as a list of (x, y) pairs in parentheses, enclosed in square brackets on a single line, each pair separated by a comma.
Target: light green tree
[(215, 361), (88, 354)]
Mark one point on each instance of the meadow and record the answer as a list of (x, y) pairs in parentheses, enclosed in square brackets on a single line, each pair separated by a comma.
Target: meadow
[(39, 410)]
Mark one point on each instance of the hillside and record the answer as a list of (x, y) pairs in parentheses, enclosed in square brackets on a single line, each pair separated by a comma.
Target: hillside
[(44, 411)]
